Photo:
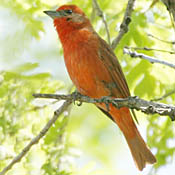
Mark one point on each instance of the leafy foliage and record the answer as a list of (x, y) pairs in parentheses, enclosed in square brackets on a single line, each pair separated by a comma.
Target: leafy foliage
[(18, 120)]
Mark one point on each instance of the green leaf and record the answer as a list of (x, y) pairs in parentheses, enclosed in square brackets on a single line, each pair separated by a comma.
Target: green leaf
[(3, 91), (25, 67), (55, 131), (146, 86), (39, 76)]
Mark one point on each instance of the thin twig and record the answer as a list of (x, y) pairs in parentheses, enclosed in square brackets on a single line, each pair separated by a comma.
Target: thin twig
[(170, 5), (164, 96), (172, 20), (150, 49), (101, 15), (168, 42), (147, 107), (146, 57), (124, 24), (38, 137)]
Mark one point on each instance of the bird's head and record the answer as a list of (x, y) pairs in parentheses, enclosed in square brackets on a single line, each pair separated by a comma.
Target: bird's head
[(68, 17)]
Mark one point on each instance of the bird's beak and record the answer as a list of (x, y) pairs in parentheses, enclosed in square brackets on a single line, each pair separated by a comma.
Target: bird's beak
[(54, 14)]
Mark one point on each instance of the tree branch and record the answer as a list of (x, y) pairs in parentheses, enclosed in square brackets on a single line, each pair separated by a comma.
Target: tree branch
[(168, 42), (150, 49), (164, 96), (146, 57), (124, 24), (147, 107), (101, 15), (35, 140)]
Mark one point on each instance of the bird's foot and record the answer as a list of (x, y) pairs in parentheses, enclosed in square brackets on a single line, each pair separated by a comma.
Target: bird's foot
[(106, 101), (76, 96)]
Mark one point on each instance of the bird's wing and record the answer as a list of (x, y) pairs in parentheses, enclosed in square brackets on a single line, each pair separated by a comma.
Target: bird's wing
[(111, 63), (113, 66)]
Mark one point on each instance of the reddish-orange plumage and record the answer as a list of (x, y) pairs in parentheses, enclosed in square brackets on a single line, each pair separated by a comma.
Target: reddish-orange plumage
[(96, 72)]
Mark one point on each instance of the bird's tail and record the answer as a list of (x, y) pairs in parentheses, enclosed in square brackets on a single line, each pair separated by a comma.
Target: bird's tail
[(139, 150)]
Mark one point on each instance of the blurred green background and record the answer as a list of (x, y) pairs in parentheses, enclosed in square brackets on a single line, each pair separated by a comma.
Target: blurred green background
[(86, 142)]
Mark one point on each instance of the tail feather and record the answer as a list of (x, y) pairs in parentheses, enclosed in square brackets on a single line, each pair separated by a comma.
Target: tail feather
[(139, 150)]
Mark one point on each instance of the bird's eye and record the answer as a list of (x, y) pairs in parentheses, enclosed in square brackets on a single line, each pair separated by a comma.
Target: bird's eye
[(69, 12)]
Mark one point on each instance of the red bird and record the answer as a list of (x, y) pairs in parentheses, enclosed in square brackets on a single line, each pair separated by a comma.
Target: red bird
[(96, 72)]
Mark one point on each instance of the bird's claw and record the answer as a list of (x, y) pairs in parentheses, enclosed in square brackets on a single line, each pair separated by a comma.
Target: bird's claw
[(106, 101), (75, 96), (79, 103)]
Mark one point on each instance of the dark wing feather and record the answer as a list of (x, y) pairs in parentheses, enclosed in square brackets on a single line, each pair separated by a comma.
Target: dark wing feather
[(106, 113), (113, 66)]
